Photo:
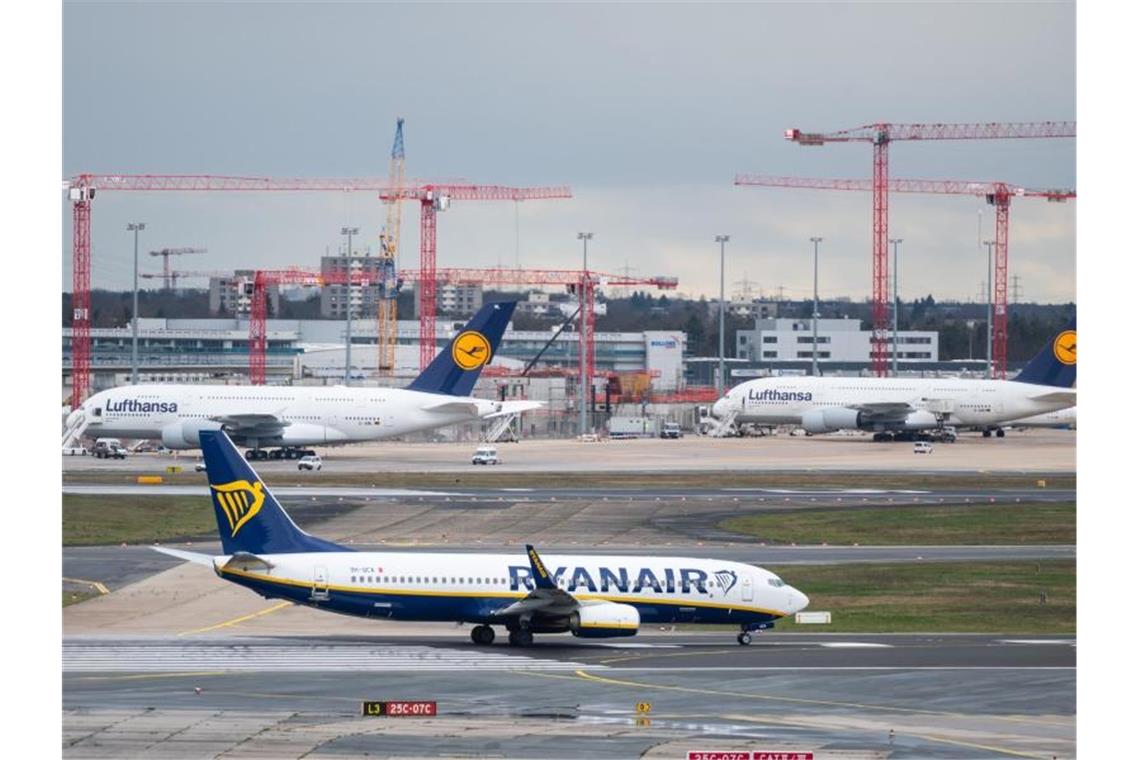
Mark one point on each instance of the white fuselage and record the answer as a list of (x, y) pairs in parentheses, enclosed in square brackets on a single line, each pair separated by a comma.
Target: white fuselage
[(932, 401), (469, 587), (271, 416)]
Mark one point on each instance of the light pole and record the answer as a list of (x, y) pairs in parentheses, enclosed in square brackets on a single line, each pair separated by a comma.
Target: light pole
[(815, 311), (349, 232), (895, 348), (722, 239), (989, 244), (585, 237), (135, 227)]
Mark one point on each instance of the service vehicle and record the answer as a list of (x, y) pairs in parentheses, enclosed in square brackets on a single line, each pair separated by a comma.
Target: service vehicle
[(311, 462), (109, 448), (672, 430), (923, 447), (486, 455)]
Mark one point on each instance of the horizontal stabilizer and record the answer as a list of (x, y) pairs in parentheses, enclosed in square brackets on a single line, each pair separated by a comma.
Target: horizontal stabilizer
[(1057, 397), (515, 407), (195, 557)]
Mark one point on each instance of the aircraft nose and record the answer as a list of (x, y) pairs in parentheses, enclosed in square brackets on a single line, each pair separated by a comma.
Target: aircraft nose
[(720, 408), (797, 600)]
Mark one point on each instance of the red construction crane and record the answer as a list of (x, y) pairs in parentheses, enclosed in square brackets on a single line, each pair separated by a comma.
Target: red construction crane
[(881, 136), (997, 194), (434, 198), (170, 279), (82, 189)]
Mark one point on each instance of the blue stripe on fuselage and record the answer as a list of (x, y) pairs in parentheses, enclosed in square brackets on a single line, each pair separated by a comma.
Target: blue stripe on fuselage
[(442, 607)]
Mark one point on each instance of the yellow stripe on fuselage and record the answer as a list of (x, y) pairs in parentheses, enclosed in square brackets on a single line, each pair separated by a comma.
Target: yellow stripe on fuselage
[(497, 594)]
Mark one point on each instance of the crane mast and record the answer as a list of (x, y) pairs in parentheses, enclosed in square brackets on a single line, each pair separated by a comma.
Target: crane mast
[(389, 252)]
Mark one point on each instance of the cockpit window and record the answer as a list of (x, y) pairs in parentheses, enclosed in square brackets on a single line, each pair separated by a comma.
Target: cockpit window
[(774, 581)]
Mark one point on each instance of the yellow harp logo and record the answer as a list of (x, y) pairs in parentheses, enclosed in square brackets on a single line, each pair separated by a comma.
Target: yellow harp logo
[(471, 350), (1065, 347), (239, 502)]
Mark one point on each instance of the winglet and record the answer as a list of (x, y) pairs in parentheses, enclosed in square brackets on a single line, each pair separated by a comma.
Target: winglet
[(538, 571)]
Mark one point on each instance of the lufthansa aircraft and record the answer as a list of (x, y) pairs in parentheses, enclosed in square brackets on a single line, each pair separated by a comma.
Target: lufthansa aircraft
[(294, 416), (897, 406), (591, 596)]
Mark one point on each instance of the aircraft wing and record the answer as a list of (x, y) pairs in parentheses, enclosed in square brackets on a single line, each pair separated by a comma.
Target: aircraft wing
[(515, 407), (481, 409), (884, 411), (546, 598), (245, 424)]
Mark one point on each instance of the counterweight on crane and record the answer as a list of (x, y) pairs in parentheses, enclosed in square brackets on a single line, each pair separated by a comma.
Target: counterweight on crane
[(997, 194), (881, 135)]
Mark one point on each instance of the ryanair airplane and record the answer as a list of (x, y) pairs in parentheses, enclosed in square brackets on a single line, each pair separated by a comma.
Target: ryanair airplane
[(590, 596), (292, 417), (896, 406)]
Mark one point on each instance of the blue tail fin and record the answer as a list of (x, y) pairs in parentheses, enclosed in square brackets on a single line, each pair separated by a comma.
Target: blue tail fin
[(1056, 364), (249, 517), (454, 371)]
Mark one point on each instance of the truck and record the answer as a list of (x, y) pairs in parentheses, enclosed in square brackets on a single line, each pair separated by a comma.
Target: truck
[(632, 427)]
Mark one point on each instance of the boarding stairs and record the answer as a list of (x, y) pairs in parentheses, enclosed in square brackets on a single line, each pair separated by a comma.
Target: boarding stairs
[(499, 426), (74, 427), (725, 426)]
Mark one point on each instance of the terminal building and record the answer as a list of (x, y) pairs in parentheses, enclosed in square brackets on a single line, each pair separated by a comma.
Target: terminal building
[(837, 341), (313, 350)]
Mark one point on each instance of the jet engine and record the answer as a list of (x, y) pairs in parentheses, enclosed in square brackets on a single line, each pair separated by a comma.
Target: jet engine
[(830, 420), (597, 621), (184, 435), (920, 420)]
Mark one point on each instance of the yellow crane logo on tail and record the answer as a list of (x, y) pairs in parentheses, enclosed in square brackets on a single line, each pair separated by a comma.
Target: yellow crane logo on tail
[(471, 350), (239, 501), (1065, 347)]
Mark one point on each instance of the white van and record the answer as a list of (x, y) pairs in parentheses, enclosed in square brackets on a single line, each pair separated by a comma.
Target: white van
[(923, 447), (486, 455)]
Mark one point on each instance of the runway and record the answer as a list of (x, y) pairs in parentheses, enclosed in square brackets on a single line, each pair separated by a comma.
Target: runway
[(942, 696)]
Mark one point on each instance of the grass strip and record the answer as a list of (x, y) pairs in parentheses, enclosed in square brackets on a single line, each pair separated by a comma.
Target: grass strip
[(922, 525), (90, 519), (948, 597)]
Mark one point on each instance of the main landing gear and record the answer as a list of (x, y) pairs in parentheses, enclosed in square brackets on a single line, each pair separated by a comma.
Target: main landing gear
[(483, 635), (744, 638), (520, 638)]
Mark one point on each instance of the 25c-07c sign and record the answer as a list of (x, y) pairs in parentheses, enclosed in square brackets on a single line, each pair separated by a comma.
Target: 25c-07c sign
[(398, 709)]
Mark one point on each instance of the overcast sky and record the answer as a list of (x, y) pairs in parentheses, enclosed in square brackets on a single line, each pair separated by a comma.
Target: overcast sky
[(646, 111)]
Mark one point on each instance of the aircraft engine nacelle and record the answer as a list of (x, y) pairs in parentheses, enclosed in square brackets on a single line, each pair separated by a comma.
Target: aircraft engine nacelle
[(604, 620), (184, 435), (307, 435), (830, 420), (920, 420)]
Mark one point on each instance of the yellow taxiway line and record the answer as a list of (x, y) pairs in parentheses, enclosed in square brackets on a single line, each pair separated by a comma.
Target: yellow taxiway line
[(242, 619)]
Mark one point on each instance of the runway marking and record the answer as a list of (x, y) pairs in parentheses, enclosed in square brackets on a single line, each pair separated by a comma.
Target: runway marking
[(231, 657), (242, 619), (103, 590), (802, 723), (795, 700), (637, 646), (1071, 642), (141, 676), (854, 645)]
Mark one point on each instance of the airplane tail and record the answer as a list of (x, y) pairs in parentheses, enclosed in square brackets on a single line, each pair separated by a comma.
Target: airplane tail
[(1056, 363), (455, 369), (249, 518)]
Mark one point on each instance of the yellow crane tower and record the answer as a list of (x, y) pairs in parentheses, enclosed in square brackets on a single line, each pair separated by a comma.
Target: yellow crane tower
[(389, 250)]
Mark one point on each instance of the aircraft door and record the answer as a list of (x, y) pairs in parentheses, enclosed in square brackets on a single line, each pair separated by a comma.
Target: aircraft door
[(746, 588), (320, 590)]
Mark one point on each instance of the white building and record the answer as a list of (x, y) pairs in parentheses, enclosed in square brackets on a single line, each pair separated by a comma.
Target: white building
[(839, 340)]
